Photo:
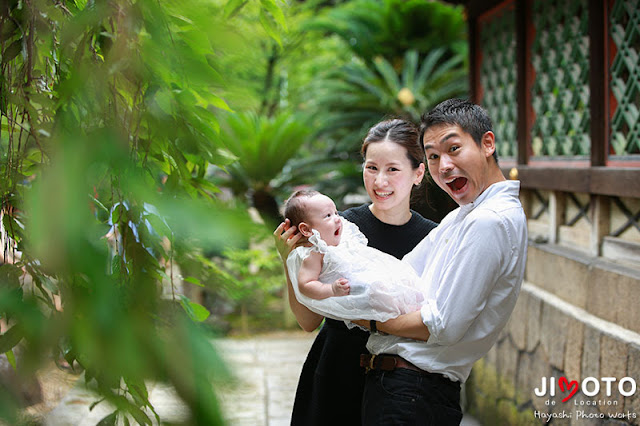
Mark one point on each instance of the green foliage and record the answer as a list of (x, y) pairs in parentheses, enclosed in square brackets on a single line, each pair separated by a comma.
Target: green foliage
[(355, 97), (406, 57), (246, 280), (107, 129), (251, 270), (252, 275), (389, 28), (263, 146)]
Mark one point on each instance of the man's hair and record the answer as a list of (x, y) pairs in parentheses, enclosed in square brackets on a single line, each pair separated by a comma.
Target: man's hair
[(471, 118), (294, 208)]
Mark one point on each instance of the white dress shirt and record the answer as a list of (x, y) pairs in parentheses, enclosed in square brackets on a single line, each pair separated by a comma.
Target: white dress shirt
[(471, 268)]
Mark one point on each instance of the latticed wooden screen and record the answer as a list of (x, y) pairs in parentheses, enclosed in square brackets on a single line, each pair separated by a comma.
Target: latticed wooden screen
[(498, 77), (560, 90), (625, 77)]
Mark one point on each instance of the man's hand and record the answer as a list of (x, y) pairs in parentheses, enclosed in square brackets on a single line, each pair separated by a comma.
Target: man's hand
[(340, 287), (408, 325)]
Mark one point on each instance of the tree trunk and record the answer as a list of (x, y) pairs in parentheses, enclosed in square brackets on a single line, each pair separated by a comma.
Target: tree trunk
[(244, 319), (267, 206)]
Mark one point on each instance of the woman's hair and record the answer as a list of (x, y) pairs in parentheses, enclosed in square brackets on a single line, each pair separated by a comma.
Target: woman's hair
[(294, 208), (402, 132)]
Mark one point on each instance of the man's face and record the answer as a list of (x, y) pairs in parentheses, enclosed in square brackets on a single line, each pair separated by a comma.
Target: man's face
[(457, 163)]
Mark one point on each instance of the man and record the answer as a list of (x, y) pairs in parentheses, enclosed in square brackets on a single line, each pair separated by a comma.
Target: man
[(471, 265)]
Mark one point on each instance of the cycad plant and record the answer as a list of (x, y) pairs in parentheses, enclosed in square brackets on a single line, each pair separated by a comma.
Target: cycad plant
[(406, 57), (389, 28), (262, 146), (356, 96)]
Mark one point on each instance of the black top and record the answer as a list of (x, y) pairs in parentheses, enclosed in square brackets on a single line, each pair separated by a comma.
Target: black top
[(331, 373), (396, 240)]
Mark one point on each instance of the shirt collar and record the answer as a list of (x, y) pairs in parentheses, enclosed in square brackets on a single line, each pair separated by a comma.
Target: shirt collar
[(507, 187)]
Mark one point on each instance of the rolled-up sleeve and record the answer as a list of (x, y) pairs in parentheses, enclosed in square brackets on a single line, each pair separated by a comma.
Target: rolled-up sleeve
[(461, 287)]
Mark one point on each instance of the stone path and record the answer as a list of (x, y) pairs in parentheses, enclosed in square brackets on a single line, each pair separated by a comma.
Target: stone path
[(266, 368)]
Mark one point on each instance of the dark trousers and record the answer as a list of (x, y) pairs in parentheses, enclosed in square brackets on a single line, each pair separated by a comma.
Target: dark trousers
[(406, 397)]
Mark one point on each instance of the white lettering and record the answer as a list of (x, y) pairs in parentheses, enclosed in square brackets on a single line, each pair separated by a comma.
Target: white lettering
[(543, 385), (596, 386), (608, 381), (547, 417), (583, 415), (590, 386), (621, 386)]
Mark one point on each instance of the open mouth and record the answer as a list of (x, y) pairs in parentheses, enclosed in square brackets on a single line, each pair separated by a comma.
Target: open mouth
[(337, 232), (381, 194), (457, 184)]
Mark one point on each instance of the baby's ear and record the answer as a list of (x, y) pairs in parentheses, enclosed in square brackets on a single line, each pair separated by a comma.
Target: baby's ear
[(305, 229)]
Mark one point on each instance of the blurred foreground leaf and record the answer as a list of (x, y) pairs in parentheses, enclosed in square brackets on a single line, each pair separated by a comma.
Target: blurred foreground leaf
[(108, 127)]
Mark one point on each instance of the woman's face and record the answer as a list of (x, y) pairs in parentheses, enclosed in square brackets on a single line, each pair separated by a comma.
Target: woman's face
[(388, 177)]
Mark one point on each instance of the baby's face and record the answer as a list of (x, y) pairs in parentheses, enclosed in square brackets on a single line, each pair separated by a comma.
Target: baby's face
[(322, 216)]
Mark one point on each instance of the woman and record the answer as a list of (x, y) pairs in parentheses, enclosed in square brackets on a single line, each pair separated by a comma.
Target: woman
[(331, 383)]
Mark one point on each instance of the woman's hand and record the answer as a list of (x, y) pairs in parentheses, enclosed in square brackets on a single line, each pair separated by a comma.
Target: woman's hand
[(286, 237)]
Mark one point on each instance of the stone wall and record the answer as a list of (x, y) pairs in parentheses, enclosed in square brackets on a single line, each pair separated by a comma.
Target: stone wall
[(577, 325)]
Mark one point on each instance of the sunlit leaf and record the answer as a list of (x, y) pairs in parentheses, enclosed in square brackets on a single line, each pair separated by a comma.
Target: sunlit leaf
[(12, 359), (232, 7), (193, 280), (195, 311)]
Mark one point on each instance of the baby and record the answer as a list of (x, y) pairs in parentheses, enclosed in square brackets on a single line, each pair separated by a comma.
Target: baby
[(336, 261)]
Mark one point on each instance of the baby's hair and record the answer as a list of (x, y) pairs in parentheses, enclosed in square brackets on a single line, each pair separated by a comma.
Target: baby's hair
[(294, 208)]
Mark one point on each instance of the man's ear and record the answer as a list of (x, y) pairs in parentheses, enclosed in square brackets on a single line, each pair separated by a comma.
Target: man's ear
[(488, 143), (305, 229)]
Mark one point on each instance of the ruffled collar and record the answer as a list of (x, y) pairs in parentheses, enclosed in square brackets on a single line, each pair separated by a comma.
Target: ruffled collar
[(317, 242), (351, 236)]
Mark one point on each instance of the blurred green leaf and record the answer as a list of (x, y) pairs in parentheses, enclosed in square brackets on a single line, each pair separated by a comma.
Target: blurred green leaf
[(232, 7), (11, 51), (195, 311), (194, 280), (109, 420), (10, 338), (12, 359)]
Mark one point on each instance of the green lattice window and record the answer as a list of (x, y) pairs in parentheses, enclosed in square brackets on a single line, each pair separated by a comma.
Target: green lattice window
[(625, 77), (498, 77), (560, 91)]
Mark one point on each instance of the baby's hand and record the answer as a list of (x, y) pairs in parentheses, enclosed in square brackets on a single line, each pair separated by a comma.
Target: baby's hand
[(340, 287)]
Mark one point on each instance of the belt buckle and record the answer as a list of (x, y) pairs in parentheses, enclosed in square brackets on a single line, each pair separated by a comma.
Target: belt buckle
[(371, 365)]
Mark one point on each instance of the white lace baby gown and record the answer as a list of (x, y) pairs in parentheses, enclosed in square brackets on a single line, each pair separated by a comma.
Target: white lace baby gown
[(381, 286)]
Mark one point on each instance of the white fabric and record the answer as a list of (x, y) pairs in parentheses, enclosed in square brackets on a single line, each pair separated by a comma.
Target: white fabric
[(381, 286), (471, 269)]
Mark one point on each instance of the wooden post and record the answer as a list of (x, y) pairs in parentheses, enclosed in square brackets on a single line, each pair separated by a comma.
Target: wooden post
[(557, 207), (600, 222)]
